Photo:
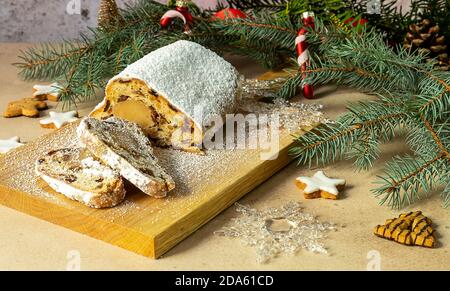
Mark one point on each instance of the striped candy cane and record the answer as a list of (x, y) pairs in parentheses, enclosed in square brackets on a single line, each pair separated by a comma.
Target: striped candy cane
[(303, 52), (181, 11)]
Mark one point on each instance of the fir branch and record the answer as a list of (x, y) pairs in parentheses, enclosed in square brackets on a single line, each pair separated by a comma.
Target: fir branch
[(330, 142), (436, 137), (419, 139), (49, 60), (365, 152), (420, 107), (446, 196), (406, 178), (359, 60), (350, 76), (289, 89), (434, 99), (324, 144), (263, 27)]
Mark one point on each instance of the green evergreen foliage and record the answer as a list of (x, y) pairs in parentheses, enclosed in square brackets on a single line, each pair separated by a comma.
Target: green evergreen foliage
[(393, 22), (412, 97), (84, 65), (293, 9)]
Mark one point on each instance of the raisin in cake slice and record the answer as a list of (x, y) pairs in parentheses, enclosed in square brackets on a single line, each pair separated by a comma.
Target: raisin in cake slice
[(172, 93), (123, 146), (78, 175)]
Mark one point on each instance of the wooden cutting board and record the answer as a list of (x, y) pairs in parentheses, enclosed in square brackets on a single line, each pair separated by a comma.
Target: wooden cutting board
[(206, 185)]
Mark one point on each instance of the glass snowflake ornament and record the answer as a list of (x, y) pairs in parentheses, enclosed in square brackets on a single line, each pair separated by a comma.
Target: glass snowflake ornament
[(274, 231)]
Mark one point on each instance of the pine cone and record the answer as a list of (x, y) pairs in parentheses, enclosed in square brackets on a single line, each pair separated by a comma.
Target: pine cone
[(425, 38)]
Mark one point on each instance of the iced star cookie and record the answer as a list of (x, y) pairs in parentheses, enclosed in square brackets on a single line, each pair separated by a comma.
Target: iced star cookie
[(9, 144), (47, 92), (58, 119), (320, 186)]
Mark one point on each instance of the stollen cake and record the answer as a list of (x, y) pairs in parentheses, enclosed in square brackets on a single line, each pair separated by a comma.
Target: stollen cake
[(77, 174), (123, 146), (172, 92)]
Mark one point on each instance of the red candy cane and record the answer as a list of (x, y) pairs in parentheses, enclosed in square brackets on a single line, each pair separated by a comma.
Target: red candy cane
[(303, 52), (181, 11)]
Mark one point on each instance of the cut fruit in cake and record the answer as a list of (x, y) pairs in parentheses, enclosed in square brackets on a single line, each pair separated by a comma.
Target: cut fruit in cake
[(172, 93), (124, 147), (80, 176)]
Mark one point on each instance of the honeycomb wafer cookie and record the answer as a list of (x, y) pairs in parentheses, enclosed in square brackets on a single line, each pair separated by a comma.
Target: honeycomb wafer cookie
[(411, 228)]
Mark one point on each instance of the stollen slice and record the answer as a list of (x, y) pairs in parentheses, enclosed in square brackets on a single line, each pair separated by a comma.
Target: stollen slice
[(123, 146), (78, 175)]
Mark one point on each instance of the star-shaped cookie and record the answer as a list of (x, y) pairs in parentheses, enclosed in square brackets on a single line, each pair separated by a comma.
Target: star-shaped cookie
[(9, 144), (27, 107), (320, 186), (59, 119)]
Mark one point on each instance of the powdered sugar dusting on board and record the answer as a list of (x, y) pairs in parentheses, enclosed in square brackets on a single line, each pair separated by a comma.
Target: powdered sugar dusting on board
[(17, 168), (195, 175), (192, 174)]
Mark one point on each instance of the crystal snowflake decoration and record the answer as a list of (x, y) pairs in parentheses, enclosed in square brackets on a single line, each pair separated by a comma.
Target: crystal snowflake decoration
[(277, 230)]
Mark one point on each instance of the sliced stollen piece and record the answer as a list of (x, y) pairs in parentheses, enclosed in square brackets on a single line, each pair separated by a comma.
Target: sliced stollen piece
[(172, 92), (123, 146), (80, 176)]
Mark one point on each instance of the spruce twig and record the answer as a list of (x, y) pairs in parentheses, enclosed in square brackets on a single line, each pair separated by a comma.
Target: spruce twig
[(420, 107)]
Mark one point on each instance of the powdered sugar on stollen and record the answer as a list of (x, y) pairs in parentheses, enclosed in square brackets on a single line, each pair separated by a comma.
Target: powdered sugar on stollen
[(190, 76), (320, 182)]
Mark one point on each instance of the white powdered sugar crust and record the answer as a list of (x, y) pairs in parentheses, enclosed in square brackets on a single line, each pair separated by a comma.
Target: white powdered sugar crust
[(123, 146), (93, 167), (67, 190), (190, 76)]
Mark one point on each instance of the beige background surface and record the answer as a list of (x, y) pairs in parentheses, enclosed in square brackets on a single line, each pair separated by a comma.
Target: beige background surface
[(29, 243)]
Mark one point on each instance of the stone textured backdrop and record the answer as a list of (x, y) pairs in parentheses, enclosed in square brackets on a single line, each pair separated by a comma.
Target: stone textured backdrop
[(38, 20)]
